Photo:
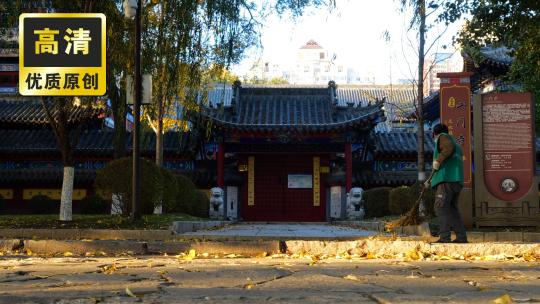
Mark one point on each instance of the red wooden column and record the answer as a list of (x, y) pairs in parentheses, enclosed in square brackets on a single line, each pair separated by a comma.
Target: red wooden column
[(220, 166), (348, 167)]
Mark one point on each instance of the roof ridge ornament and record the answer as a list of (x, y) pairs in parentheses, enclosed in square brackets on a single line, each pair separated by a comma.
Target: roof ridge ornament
[(235, 99), (332, 87)]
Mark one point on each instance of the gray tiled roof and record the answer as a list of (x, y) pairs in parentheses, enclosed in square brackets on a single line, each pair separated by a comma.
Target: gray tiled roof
[(398, 144), (401, 96), (497, 55), (91, 142), (386, 179), (277, 108), (31, 112)]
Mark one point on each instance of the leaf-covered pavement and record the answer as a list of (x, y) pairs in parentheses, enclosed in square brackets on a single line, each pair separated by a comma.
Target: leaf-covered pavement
[(194, 278)]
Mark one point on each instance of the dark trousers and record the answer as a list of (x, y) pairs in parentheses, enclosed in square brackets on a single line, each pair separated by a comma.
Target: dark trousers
[(446, 209)]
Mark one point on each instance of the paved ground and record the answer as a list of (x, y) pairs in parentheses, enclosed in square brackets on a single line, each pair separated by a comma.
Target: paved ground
[(286, 231), (159, 279)]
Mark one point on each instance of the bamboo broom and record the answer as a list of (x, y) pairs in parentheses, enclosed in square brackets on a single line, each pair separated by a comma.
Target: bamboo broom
[(412, 217)]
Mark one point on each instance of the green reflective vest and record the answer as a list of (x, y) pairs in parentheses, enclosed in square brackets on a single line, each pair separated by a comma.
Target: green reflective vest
[(451, 169)]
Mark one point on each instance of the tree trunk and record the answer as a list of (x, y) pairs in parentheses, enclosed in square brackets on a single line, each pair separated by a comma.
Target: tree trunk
[(60, 126), (420, 97), (118, 105), (158, 208), (159, 134), (66, 211)]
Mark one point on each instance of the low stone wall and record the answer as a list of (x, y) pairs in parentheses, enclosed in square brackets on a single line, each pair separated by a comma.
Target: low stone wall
[(424, 231), (110, 234)]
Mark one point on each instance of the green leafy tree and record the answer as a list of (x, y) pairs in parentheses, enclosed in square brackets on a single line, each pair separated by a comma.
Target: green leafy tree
[(187, 45), (60, 111), (184, 43), (190, 44), (424, 20), (418, 21), (514, 24)]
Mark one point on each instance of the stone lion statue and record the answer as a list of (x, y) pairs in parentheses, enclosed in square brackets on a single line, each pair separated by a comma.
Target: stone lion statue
[(216, 203), (355, 206)]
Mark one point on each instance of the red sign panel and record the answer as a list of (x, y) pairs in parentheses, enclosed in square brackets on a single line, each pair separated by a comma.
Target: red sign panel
[(455, 105), (508, 126)]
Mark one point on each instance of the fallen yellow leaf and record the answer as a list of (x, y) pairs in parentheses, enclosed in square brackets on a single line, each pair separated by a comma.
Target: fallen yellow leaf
[(68, 254), (504, 299), (191, 255), (129, 293), (351, 277), (262, 254)]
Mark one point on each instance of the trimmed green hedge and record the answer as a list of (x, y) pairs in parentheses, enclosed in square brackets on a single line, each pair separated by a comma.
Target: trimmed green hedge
[(402, 199), (115, 177), (200, 205), (170, 189), (92, 204), (429, 197), (376, 202), (184, 196), (399, 201)]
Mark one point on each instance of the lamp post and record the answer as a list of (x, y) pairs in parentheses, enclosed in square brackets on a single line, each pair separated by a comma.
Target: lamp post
[(132, 8)]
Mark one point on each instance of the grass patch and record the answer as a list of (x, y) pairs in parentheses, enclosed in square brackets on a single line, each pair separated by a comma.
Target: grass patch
[(93, 221)]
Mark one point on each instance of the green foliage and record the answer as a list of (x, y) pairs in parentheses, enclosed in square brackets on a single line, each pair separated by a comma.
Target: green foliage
[(116, 178), (184, 196), (170, 188), (429, 197), (92, 204), (189, 44), (376, 202), (42, 204), (403, 198), (189, 199), (513, 24), (201, 204), (399, 200)]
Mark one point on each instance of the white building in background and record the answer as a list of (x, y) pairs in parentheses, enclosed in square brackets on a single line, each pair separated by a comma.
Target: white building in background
[(313, 65), (440, 63)]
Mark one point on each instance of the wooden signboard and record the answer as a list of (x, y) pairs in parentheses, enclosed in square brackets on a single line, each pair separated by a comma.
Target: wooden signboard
[(455, 107), (455, 112), (506, 188)]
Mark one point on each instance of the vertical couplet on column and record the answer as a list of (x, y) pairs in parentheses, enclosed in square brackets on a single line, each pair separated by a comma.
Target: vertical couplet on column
[(348, 167), (251, 180), (316, 181)]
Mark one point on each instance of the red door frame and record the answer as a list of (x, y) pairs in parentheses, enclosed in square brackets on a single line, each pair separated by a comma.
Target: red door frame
[(274, 201)]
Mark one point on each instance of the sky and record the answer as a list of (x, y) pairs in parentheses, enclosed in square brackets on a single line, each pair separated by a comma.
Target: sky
[(354, 32)]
